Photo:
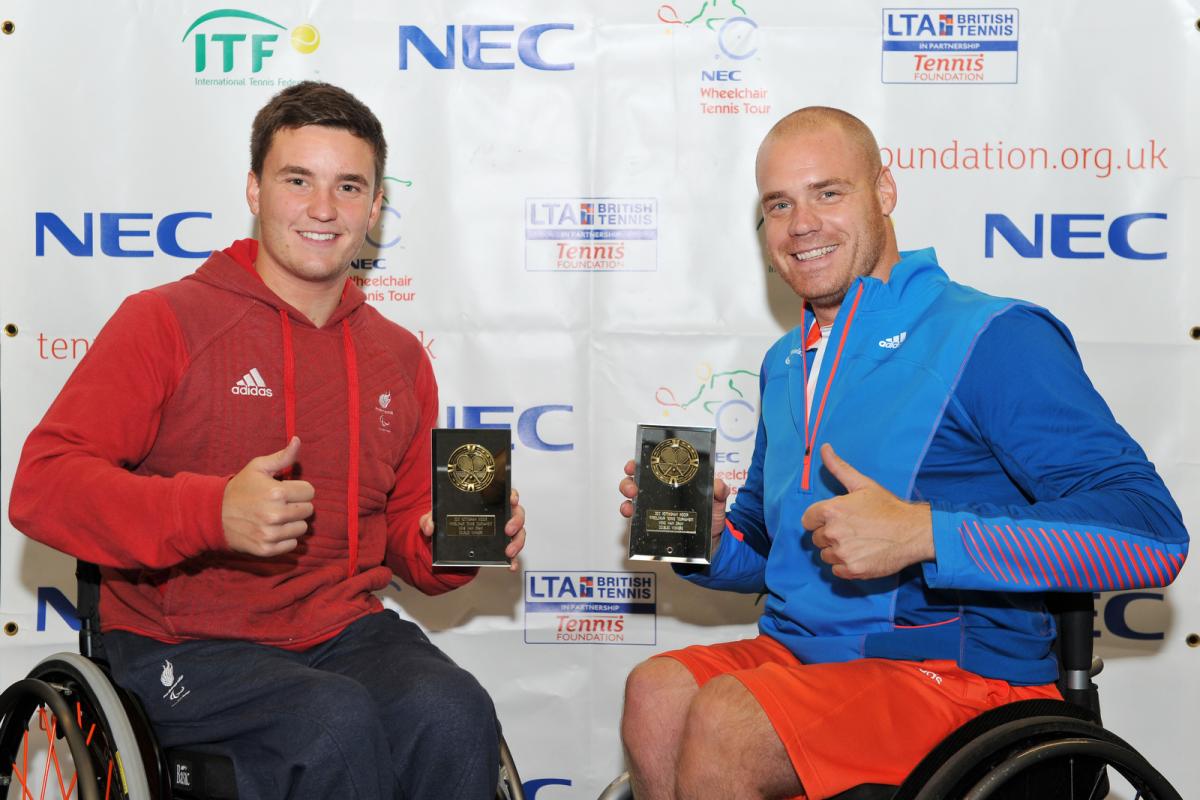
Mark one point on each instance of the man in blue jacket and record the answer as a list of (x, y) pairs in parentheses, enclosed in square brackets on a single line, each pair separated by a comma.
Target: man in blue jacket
[(929, 461)]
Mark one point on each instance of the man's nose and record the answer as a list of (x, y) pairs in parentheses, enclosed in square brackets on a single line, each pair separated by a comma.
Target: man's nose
[(322, 207), (803, 221)]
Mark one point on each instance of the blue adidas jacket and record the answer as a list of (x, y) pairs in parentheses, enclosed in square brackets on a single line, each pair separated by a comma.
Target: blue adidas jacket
[(980, 406)]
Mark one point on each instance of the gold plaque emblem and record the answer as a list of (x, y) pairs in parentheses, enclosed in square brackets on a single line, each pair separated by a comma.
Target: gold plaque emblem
[(471, 468), (674, 462)]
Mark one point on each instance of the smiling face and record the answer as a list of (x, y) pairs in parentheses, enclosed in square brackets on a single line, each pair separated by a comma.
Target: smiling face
[(825, 207), (315, 202)]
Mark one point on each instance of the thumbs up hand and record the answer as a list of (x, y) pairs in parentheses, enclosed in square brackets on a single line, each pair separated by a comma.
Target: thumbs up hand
[(264, 516), (867, 532)]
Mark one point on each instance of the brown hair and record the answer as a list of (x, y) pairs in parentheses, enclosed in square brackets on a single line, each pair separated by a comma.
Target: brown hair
[(314, 103)]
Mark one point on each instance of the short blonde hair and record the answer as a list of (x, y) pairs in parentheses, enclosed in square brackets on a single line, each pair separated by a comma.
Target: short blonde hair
[(810, 118)]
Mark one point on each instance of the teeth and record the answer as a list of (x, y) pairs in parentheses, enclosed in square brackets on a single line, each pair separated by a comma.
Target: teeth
[(808, 255), (317, 237)]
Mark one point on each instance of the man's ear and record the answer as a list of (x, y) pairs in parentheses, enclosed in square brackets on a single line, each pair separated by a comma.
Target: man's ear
[(376, 208), (252, 189), (885, 188)]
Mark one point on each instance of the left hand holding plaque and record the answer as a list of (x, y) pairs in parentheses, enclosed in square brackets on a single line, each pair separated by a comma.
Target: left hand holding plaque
[(471, 497), (673, 510)]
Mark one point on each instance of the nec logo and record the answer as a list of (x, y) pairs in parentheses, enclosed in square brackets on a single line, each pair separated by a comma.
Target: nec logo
[(473, 40), (1065, 229), (721, 75), (528, 422), (116, 229), (1125, 620)]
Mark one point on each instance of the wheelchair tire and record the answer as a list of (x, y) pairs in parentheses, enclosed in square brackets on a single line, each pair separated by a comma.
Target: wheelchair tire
[(1040, 758), (619, 789), (112, 740), (509, 787), (33, 706)]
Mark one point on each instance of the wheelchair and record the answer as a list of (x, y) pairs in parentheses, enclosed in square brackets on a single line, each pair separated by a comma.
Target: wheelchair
[(67, 730), (1027, 750)]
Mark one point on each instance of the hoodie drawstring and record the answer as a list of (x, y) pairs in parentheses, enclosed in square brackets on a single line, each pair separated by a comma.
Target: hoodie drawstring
[(289, 384), (289, 416), (352, 478)]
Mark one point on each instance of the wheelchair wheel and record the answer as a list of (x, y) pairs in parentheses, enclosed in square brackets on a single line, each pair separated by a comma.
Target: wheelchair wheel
[(65, 730), (1044, 758), (41, 748), (619, 789), (509, 787)]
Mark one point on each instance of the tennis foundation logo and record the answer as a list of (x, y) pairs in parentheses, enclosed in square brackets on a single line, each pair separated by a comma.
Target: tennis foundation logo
[(235, 47), (591, 234), (590, 608), (948, 45)]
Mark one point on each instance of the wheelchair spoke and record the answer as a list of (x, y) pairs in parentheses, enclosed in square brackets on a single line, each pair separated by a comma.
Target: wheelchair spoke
[(25, 759), (21, 778), (62, 788), (43, 729), (1098, 783), (53, 726)]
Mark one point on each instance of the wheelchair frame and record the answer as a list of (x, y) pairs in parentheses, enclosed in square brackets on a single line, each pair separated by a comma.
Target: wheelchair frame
[(1019, 751), (107, 728)]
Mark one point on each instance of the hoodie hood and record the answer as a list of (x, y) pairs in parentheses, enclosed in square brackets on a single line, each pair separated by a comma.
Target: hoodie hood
[(232, 269)]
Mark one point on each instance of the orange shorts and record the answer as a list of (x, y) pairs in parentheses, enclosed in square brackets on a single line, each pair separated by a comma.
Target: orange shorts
[(867, 721)]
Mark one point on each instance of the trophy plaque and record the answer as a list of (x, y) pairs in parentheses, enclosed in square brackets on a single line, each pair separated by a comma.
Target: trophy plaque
[(672, 513), (470, 497)]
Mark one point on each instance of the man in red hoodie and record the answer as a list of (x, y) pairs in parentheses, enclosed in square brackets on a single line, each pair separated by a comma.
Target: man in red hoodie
[(245, 453)]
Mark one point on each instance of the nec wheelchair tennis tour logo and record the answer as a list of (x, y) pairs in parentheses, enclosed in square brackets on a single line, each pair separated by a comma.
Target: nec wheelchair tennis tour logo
[(727, 84), (723, 399)]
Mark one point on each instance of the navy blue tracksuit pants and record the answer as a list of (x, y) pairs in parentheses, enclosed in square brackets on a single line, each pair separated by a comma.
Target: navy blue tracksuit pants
[(376, 712)]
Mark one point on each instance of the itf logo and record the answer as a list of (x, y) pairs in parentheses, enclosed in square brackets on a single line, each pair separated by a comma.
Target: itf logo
[(231, 39), (926, 45)]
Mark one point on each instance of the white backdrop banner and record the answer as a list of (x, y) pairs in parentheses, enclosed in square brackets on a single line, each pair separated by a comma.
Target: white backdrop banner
[(570, 229)]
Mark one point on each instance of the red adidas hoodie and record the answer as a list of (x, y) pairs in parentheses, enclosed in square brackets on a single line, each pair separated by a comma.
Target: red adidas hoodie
[(184, 385)]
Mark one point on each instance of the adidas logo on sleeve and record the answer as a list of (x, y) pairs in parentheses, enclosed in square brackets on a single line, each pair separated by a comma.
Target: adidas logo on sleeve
[(893, 342), (252, 383)]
